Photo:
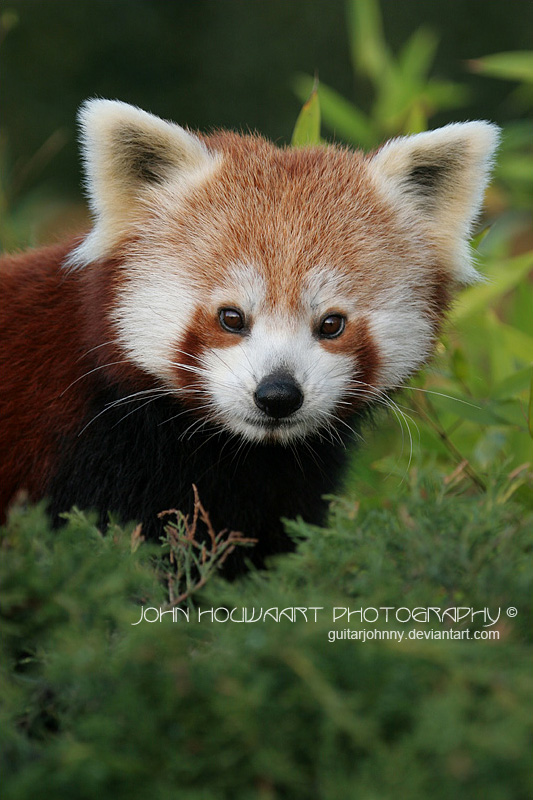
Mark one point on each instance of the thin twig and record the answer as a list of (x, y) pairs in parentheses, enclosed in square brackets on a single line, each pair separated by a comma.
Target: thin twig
[(443, 436)]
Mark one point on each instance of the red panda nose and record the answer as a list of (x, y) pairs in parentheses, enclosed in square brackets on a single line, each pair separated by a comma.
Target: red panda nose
[(278, 395)]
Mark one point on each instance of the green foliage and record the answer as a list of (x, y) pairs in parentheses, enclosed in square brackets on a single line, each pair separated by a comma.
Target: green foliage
[(405, 97), (24, 215), (96, 705), (307, 128), (513, 66)]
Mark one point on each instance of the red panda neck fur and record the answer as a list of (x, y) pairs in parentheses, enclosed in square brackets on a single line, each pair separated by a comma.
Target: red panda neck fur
[(52, 337)]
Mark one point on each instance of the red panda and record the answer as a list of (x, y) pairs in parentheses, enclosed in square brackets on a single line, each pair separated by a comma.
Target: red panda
[(232, 314)]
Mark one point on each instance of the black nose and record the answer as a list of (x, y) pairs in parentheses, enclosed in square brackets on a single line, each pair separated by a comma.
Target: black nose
[(278, 395)]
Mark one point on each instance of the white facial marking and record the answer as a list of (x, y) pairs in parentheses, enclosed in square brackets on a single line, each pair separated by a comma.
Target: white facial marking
[(402, 332), (326, 289), (155, 307), (242, 286), (404, 338), (276, 344)]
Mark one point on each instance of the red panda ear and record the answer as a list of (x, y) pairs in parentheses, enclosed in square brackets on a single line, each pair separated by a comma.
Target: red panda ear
[(439, 179), (126, 153)]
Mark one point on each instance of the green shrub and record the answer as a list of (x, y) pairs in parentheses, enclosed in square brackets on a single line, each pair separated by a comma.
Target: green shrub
[(94, 705)]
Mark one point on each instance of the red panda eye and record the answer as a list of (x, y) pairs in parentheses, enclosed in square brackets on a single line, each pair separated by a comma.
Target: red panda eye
[(332, 326), (231, 319)]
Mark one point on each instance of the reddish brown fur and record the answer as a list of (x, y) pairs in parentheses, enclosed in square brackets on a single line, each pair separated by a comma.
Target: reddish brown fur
[(33, 375), (288, 210), (43, 359)]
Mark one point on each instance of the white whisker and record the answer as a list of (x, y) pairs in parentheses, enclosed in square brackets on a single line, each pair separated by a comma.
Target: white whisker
[(90, 372)]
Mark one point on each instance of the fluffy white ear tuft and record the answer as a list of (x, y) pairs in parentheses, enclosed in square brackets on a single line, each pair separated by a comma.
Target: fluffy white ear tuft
[(127, 152), (440, 177)]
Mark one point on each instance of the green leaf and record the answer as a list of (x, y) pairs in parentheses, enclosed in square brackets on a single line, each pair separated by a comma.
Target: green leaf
[(442, 95), (417, 120), (418, 54), (530, 409), (511, 412), (513, 66), (516, 343), (340, 115), (477, 298), (523, 495), (478, 238), (516, 135), (307, 128), (393, 101), (460, 365), (367, 42), (520, 315), (459, 407), (516, 167), (507, 348), (504, 412), (510, 387)]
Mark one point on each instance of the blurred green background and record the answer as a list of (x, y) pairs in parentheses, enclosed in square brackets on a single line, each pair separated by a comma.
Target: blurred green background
[(216, 63)]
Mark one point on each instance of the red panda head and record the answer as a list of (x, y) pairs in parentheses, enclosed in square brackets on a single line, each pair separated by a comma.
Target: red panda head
[(277, 290)]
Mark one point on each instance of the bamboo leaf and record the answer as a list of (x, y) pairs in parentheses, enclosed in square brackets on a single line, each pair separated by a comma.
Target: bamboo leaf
[(517, 382), (516, 344), (513, 66), (370, 54), (339, 114), (518, 167), (479, 237), (417, 120), (307, 128), (510, 273), (459, 407), (440, 95), (530, 409), (511, 412), (418, 54)]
